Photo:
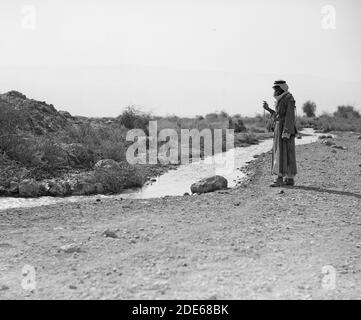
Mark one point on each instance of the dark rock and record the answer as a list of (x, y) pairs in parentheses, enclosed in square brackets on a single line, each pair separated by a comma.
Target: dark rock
[(84, 184), (329, 143), (84, 188), (339, 147), (3, 287), (109, 234), (209, 184), (329, 136), (70, 248), (2, 191), (59, 189), (29, 188), (99, 189), (44, 188), (14, 187)]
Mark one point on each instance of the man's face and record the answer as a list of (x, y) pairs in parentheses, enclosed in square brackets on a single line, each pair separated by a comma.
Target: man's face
[(277, 91)]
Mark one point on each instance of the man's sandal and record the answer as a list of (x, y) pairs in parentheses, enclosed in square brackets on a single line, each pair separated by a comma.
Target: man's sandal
[(277, 183), (289, 182)]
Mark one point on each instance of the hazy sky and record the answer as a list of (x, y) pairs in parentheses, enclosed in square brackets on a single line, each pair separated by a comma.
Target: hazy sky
[(184, 57)]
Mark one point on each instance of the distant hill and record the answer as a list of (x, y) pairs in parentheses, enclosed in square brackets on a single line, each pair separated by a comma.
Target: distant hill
[(39, 117)]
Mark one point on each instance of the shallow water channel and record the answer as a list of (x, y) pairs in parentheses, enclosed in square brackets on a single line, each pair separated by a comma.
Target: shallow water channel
[(176, 182)]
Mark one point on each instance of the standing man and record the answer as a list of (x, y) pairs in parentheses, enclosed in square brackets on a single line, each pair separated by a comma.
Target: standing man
[(284, 153)]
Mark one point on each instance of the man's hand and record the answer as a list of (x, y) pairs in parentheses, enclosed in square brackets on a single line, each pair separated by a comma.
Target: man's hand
[(286, 136), (265, 105)]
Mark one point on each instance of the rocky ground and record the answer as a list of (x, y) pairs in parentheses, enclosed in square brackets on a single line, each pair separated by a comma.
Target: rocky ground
[(249, 242)]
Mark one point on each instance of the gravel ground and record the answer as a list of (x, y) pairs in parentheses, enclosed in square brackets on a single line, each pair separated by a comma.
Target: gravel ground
[(249, 242)]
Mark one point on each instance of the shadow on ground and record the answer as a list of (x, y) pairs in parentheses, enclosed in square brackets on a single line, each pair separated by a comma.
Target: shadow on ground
[(330, 191)]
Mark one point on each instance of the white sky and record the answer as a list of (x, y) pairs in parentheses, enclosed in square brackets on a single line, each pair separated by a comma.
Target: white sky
[(184, 57)]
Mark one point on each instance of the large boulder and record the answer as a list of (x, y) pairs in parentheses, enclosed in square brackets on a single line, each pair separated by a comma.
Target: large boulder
[(209, 184), (2, 191), (29, 188), (13, 188), (83, 188), (59, 189), (85, 184)]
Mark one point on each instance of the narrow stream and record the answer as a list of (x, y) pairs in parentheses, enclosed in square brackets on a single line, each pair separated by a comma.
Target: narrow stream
[(175, 182)]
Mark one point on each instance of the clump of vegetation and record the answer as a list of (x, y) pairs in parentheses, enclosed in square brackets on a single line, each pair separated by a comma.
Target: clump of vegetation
[(134, 118), (309, 108), (237, 125), (347, 112), (106, 142), (126, 176), (345, 118)]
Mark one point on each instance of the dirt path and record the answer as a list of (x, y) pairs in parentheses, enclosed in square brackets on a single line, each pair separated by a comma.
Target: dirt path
[(249, 242)]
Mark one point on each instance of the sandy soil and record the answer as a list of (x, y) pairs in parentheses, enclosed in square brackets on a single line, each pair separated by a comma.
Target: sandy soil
[(249, 242)]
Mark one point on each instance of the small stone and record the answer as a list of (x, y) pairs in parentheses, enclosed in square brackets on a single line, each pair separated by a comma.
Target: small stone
[(109, 234), (70, 248), (73, 287), (4, 288)]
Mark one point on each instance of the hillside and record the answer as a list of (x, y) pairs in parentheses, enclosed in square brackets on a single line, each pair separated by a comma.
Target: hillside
[(51, 152)]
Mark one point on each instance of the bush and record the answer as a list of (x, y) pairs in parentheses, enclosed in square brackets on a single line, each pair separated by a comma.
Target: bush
[(239, 126), (328, 123), (10, 122), (211, 116), (223, 114), (347, 112), (309, 109), (246, 138), (106, 142), (133, 118), (119, 177)]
